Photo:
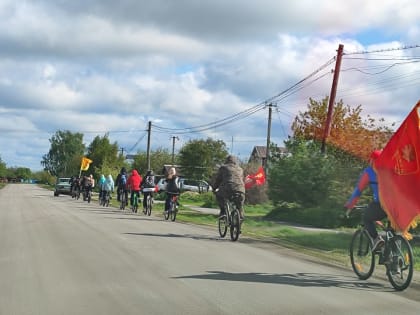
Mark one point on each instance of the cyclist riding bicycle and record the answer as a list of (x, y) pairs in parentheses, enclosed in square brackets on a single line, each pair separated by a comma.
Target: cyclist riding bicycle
[(121, 183), (88, 183), (101, 183), (107, 186), (230, 180), (133, 184), (172, 187), (148, 187), (374, 212)]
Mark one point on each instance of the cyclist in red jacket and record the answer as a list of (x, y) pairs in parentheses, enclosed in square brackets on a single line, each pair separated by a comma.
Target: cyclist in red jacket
[(133, 184)]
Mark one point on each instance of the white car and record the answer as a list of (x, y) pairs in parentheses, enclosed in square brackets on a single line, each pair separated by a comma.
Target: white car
[(186, 185), (199, 186), (161, 184)]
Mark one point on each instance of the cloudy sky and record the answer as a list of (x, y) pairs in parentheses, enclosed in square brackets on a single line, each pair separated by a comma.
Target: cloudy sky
[(195, 68)]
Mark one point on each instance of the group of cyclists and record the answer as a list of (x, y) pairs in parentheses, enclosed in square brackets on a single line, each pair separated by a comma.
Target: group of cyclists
[(228, 180)]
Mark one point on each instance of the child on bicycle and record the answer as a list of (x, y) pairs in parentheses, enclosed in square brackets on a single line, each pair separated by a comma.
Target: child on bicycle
[(148, 187), (172, 187), (374, 212)]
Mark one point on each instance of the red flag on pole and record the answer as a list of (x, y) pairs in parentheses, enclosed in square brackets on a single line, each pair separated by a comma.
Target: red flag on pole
[(257, 179), (398, 171)]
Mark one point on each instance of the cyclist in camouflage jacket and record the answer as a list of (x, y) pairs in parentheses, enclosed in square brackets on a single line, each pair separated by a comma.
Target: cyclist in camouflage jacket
[(230, 179)]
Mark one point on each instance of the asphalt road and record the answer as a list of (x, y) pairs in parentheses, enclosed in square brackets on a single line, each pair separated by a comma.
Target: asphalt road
[(62, 256)]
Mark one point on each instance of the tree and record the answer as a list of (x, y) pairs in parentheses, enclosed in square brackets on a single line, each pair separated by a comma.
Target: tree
[(3, 169), (199, 158), (64, 156), (349, 131), (105, 157), (158, 158), (303, 177)]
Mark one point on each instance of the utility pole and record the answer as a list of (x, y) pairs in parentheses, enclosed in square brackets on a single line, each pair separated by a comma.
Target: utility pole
[(149, 131), (332, 97), (173, 149), (122, 151), (267, 148)]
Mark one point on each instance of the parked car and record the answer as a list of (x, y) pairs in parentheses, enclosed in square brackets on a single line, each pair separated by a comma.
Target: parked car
[(186, 185), (199, 186), (62, 186), (161, 184)]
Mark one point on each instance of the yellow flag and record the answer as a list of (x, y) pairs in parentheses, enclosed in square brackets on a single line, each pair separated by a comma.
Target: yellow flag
[(85, 164)]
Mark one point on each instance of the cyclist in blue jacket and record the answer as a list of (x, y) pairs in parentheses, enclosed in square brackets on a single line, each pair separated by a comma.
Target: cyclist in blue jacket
[(374, 212)]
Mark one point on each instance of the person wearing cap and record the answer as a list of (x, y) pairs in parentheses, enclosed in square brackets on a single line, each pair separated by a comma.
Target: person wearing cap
[(374, 212), (230, 179)]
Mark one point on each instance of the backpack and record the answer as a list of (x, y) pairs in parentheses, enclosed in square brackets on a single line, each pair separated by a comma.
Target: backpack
[(173, 185), (123, 180)]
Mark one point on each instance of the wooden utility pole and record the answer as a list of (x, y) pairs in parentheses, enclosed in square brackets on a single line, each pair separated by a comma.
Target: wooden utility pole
[(173, 149), (332, 97), (149, 131), (267, 149)]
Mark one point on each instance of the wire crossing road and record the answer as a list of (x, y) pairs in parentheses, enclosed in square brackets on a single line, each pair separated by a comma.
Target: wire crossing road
[(62, 256)]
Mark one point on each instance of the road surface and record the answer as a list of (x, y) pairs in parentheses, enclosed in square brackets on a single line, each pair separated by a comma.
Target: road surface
[(62, 256)]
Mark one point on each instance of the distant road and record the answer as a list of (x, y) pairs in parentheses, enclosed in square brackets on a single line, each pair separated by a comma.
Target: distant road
[(62, 256)]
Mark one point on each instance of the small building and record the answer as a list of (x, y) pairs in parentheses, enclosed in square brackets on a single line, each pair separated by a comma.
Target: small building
[(259, 154)]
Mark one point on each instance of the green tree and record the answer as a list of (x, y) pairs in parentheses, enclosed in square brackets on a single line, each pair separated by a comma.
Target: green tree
[(158, 158), (64, 156), (199, 158), (105, 156), (303, 177), (44, 177), (3, 169)]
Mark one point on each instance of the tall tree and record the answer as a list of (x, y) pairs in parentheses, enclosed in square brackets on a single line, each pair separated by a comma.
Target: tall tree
[(158, 158), (105, 157), (349, 131), (64, 156), (3, 169), (199, 158)]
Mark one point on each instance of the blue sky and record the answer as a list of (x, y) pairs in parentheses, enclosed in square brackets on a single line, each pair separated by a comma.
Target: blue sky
[(101, 67)]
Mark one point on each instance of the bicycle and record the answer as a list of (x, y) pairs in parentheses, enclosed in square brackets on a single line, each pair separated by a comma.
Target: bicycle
[(396, 254), (149, 202), (88, 194), (230, 219), (105, 198), (173, 207), (123, 201), (135, 202)]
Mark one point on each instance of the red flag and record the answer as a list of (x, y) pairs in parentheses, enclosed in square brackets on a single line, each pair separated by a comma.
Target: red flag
[(398, 170), (257, 178)]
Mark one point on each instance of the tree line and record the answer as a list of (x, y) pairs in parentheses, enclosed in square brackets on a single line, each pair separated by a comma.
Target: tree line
[(304, 184)]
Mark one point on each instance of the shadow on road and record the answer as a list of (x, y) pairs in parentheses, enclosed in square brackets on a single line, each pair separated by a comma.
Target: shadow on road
[(297, 279), (192, 236)]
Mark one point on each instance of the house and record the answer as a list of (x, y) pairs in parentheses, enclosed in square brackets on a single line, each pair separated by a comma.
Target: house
[(259, 154)]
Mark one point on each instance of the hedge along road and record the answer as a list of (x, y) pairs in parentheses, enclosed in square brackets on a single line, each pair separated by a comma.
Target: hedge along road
[(62, 256)]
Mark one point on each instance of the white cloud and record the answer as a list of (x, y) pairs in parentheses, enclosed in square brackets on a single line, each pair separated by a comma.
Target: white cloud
[(103, 66)]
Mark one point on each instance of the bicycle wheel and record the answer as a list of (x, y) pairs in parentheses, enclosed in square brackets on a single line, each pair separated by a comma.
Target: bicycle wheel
[(400, 269), (173, 211), (149, 203), (107, 197), (135, 204), (223, 225), (361, 256), (122, 202), (235, 225), (89, 197)]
